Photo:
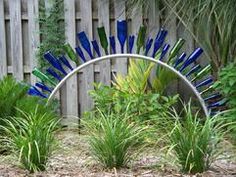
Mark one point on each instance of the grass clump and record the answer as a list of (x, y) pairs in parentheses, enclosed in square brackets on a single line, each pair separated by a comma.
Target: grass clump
[(112, 137), (30, 137), (195, 141)]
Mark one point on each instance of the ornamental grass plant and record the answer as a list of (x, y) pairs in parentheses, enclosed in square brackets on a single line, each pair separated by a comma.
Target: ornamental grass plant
[(195, 142), (113, 139), (30, 137)]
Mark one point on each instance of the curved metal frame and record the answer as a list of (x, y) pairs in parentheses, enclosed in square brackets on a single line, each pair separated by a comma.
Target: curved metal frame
[(135, 56)]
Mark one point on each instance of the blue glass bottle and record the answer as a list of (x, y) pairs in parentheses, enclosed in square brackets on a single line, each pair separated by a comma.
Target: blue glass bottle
[(43, 87), (192, 58), (65, 62), (80, 53), (213, 96), (204, 82), (85, 43), (193, 70), (217, 104), (96, 48), (179, 60), (122, 33), (54, 62), (53, 73), (113, 44), (131, 43), (148, 46), (159, 40), (35, 92), (164, 51)]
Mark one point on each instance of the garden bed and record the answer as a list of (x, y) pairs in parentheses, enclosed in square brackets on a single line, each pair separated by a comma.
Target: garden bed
[(72, 158)]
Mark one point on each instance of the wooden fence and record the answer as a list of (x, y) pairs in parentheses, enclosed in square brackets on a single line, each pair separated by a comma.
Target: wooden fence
[(19, 40)]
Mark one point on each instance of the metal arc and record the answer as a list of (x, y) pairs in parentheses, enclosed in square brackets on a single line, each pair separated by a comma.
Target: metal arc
[(134, 56)]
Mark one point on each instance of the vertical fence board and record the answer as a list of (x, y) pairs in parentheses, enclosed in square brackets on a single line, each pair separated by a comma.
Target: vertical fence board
[(153, 19), (121, 64), (16, 39), (33, 26), (72, 87), (3, 55), (103, 15), (88, 73), (188, 48), (171, 26), (153, 27), (136, 22)]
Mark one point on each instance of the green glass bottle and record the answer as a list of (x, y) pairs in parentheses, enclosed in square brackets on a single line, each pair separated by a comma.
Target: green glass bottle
[(201, 73), (42, 76), (141, 38), (103, 38), (210, 88), (70, 52), (175, 49)]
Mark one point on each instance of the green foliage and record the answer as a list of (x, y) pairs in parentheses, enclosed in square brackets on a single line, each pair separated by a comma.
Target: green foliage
[(10, 92), (227, 83), (29, 104), (52, 30), (210, 23), (195, 142), (212, 33), (112, 138), (147, 106), (12, 96), (137, 79), (30, 137)]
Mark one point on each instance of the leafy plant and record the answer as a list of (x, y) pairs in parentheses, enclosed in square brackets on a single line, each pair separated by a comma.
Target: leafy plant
[(113, 139), (30, 137), (144, 106), (137, 79), (195, 142), (30, 103), (10, 92), (226, 86)]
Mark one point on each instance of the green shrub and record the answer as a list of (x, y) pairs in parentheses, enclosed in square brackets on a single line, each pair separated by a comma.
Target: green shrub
[(112, 138), (195, 142), (226, 85), (30, 103), (10, 92), (30, 137), (144, 106)]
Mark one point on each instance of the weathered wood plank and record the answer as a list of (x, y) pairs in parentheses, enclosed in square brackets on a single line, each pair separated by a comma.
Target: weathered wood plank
[(16, 39), (34, 38), (88, 73), (3, 55), (105, 66), (72, 87), (153, 27), (188, 48), (137, 21), (171, 26), (121, 65)]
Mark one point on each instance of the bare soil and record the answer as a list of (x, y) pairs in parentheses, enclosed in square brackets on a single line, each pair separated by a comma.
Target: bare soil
[(72, 159)]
